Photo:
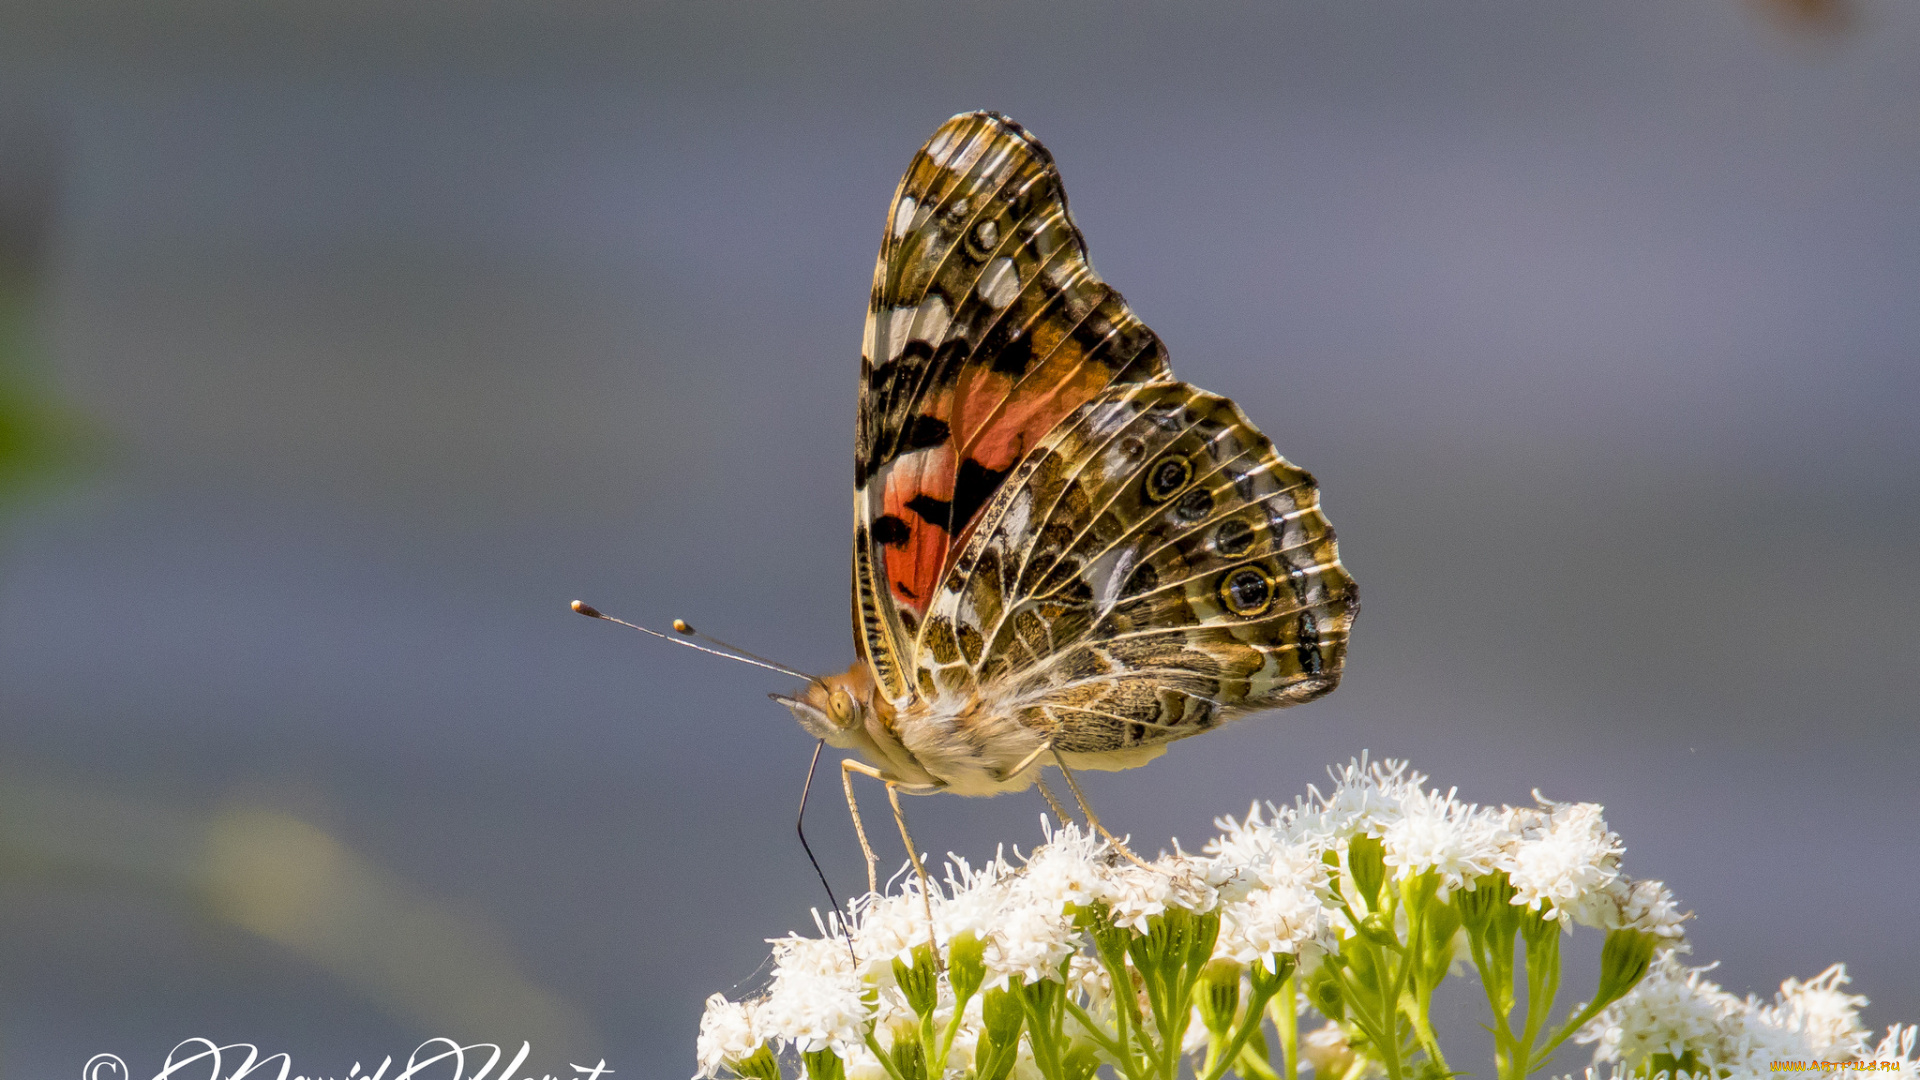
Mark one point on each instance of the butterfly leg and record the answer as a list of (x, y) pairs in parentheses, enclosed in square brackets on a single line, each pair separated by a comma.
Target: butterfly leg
[(1091, 818), (847, 768), (1059, 812)]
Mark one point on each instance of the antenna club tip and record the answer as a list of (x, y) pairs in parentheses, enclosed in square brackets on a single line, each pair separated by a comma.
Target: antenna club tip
[(682, 626), (586, 609)]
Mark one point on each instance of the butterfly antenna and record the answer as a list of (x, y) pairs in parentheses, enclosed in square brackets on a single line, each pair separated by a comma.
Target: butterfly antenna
[(680, 625)]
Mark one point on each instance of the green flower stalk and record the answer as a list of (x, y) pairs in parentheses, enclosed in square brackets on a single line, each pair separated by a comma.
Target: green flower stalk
[(1356, 905)]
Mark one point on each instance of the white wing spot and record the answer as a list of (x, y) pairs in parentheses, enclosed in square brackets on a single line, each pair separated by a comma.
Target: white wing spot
[(903, 217), (940, 147), (899, 323), (1001, 283), (958, 159), (931, 323), (1116, 580), (987, 235)]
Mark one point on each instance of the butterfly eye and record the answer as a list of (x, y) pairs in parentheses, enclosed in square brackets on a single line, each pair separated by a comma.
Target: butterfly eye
[(840, 708), (1167, 476), (1246, 592)]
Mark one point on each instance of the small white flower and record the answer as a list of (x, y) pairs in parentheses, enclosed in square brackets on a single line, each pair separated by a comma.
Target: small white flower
[(1268, 921), (727, 1034), (1366, 797), (974, 899), (887, 928), (1897, 1050), (1674, 1010), (1677, 1011), (1033, 938), (1458, 841), (1562, 860), (1647, 906), (1135, 894), (815, 1001), (1070, 868), (1819, 1014)]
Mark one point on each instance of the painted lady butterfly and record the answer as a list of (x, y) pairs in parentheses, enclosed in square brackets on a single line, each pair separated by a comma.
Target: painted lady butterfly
[(1057, 547)]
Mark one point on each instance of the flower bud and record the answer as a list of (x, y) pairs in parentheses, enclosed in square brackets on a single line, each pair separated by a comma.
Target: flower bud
[(921, 982), (1002, 1015), (909, 1057), (1481, 904), (1378, 929), (966, 965), (1324, 993), (758, 1065), (1623, 963), (1218, 995), (1443, 922), (824, 1065), (1367, 860), (1270, 971), (1538, 927)]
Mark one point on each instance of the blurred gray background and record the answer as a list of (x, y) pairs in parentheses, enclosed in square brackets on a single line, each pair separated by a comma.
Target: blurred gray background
[(376, 333)]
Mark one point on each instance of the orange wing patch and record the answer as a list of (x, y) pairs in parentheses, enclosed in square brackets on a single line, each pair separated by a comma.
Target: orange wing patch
[(986, 327), (999, 418)]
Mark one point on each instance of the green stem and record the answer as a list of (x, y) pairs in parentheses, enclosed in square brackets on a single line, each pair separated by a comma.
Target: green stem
[(1043, 1001), (1130, 1026), (1416, 896), (938, 1066), (1390, 991), (1491, 980), (1574, 1023), (1155, 985), (1110, 1044), (1285, 1009), (1543, 983), (1252, 1062), (1356, 1007), (886, 1062)]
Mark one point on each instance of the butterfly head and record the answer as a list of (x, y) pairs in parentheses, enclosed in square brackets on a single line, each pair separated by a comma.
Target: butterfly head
[(834, 707)]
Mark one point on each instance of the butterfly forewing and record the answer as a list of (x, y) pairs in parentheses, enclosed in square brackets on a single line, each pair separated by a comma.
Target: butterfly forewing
[(986, 328)]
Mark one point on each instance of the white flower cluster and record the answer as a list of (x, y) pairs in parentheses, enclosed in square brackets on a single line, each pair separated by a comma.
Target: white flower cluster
[(1024, 917), (1268, 876), (1560, 857), (1677, 1011)]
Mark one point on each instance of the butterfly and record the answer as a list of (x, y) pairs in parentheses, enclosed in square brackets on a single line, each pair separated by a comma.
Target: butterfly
[(1062, 555)]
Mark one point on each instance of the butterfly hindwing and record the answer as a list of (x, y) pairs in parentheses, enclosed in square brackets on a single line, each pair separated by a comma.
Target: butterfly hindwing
[(986, 328), (1154, 568)]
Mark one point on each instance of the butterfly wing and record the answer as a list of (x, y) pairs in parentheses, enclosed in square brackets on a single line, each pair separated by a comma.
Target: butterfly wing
[(1154, 568), (986, 327)]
